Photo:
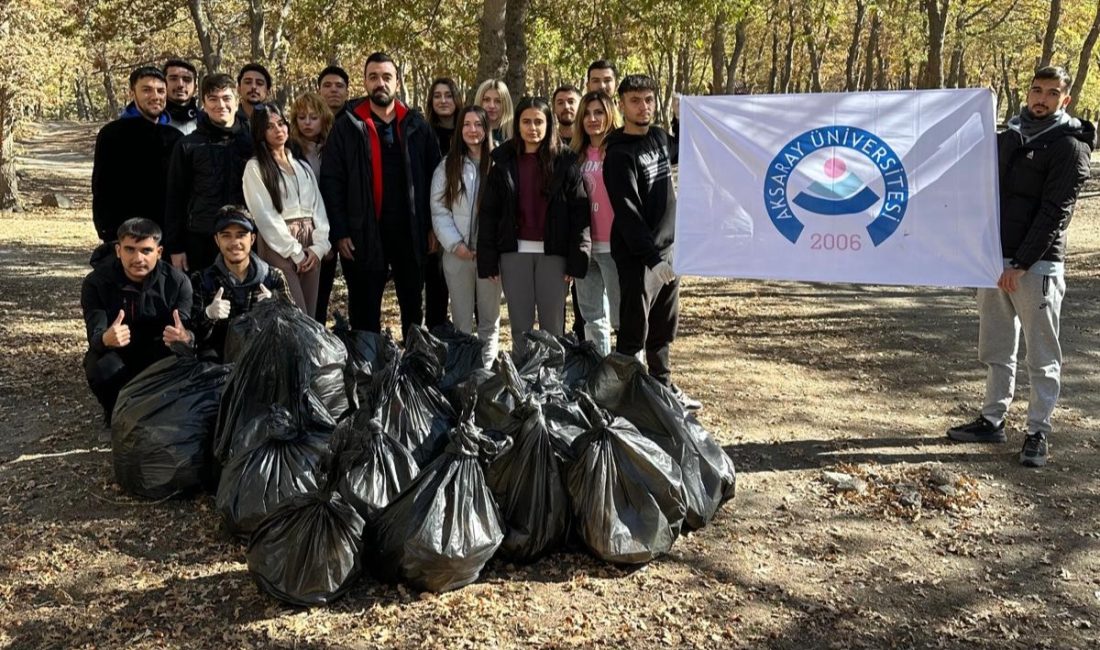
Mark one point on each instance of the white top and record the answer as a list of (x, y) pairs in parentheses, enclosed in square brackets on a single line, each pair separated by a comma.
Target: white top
[(301, 200), (455, 224)]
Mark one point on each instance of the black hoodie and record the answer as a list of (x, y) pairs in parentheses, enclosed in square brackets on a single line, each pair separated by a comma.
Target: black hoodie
[(1040, 181), (205, 174), (637, 171)]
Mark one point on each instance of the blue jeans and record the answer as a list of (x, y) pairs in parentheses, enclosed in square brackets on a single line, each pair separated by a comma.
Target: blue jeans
[(598, 293)]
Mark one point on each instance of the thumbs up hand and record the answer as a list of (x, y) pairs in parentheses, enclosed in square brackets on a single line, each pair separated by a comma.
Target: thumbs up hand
[(218, 309), (265, 293), (176, 332), (117, 335)]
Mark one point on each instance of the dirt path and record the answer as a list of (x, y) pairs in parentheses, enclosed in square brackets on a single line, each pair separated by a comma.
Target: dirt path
[(797, 378)]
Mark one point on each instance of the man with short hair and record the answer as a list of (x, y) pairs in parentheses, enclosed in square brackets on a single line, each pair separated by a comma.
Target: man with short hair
[(206, 173), (564, 103), (1043, 162), (236, 281), (183, 107), (376, 176), (602, 75), (637, 171), (253, 89), (131, 160), (332, 85), (136, 311)]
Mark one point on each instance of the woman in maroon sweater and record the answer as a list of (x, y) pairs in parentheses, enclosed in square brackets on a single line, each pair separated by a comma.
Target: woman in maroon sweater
[(533, 226)]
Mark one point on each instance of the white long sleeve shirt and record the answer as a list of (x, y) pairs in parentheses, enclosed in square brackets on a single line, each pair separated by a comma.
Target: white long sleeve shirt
[(301, 200)]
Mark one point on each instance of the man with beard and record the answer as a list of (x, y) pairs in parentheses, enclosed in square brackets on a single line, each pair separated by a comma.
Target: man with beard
[(376, 176), (332, 85), (234, 283), (253, 88), (1043, 161), (564, 101), (136, 311), (204, 175), (183, 108), (131, 160)]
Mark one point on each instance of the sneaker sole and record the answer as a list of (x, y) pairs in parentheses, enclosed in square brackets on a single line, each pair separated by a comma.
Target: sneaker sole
[(963, 436), (1028, 461)]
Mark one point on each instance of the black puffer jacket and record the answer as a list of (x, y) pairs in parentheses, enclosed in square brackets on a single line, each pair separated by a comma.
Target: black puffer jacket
[(205, 174), (347, 174), (130, 173), (1039, 185), (148, 308), (568, 219), (210, 334)]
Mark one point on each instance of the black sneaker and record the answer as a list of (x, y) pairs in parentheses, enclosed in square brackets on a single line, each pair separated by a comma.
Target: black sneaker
[(980, 430), (689, 403), (1034, 453)]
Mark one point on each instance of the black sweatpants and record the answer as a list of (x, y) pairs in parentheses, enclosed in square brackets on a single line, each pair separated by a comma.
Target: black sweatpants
[(649, 314), (324, 289), (435, 291), (107, 373), (367, 286)]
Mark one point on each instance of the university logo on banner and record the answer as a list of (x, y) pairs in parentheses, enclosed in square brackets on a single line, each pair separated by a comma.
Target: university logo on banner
[(884, 188)]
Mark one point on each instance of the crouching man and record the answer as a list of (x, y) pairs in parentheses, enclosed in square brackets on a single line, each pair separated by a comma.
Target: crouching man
[(136, 309), (236, 281)]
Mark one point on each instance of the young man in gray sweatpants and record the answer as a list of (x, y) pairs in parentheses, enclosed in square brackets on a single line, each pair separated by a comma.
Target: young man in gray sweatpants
[(1044, 160)]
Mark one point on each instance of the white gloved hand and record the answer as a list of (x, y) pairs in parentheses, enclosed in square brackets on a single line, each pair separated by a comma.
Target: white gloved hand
[(664, 272), (265, 293), (218, 309)]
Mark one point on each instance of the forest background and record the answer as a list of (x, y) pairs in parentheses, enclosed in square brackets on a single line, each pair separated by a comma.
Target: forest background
[(70, 59)]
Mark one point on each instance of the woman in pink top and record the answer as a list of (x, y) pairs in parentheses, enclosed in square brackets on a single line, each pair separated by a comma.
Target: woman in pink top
[(598, 291)]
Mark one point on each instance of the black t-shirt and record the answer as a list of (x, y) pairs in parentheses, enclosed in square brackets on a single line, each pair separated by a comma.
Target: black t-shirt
[(395, 184)]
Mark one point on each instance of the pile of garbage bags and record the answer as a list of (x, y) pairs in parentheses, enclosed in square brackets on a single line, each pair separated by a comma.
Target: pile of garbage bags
[(339, 453)]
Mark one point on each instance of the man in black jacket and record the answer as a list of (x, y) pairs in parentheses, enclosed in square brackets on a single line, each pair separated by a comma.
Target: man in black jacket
[(131, 159), (136, 311), (205, 174), (1043, 162), (236, 281), (332, 85), (376, 176), (183, 107), (637, 171)]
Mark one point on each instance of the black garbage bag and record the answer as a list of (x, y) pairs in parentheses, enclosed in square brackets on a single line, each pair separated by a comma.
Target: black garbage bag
[(369, 468), (463, 355), (543, 362), (282, 461), (528, 482), (408, 403), (496, 395), (438, 534), (622, 385), (307, 552), (627, 493), (274, 370), (368, 353), (581, 358), (163, 425), (324, 352)]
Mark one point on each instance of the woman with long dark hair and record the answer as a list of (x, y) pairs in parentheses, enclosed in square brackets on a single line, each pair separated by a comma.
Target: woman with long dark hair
[(282, 195), (533, 223), (456, 191), (598, 291), (444, 105)]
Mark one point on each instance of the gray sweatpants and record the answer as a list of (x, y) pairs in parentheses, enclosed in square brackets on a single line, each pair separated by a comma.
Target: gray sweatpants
[(469, 292), (533, 281), (1035, 308)]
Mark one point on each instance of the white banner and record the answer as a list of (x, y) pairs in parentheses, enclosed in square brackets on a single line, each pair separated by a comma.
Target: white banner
[(878, 188)]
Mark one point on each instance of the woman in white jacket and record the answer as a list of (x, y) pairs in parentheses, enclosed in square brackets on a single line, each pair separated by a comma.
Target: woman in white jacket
[(455, 193), (282, 195)]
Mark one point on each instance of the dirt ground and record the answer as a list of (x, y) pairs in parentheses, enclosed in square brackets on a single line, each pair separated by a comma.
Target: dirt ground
[(949, 545)]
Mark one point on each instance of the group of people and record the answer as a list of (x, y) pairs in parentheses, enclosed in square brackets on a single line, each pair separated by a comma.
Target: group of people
[(459, 206)]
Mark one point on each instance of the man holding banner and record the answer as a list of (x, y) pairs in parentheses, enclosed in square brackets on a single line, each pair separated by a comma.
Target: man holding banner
[(1043, 162)]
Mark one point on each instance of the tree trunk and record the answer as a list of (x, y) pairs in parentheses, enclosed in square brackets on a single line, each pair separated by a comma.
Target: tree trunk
[(788, 60), (773, 73), (515, 36), (851, 65), (1082, 71), (936, 12), (9, 180), (113, 108), (873, 54), (1050, 33), (279, 51), (740, 35), (493, 61), (815, 52), (256, 27), (211, 55), (718, 54)]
